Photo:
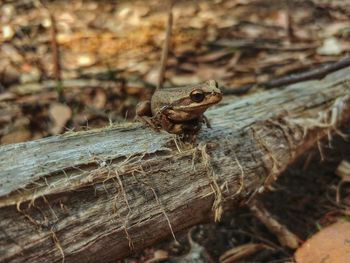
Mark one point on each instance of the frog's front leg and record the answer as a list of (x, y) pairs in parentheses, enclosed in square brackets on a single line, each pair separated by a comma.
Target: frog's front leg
[(144, 114), (169, 126), (143, 108), (190, 127), (149, 122), (206, 121)]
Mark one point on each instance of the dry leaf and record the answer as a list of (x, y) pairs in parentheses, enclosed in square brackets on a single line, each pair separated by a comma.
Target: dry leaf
[(240, 252), (278, 18), (182, 80), (330, 47), (12, 54), (132, 15), (33, 76), (7, 32), (158, 256), (100, 99), (335, 28), (331, 245), (16, 136), (7, 96), (214, 56), (211, 72), (152, 76), (9, 75), (59, 114), (86, 60), (343, 170)]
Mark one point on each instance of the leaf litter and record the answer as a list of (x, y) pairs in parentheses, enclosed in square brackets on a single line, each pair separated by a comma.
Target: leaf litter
[(109, 57)]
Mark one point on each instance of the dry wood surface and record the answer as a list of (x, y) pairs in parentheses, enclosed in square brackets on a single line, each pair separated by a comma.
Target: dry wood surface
[(98, 195)]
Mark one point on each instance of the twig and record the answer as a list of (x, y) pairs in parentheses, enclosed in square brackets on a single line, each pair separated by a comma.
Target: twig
[(56, 59), (290, 29), (237, 91), (285, 237), (260, 44), (317, 73), (166, 46), (55, 55)]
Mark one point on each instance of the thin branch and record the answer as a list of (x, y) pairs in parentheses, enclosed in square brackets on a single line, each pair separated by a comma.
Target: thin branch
[(56, 59), (55, 55), (290, 29), (166, 46), (284, 235), (317, 73)]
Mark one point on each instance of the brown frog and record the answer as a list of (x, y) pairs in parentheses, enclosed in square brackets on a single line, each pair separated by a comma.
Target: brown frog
[(180, 110)]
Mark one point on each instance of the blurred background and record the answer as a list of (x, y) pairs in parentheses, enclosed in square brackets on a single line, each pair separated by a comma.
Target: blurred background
[(73, 65), (77, 65)]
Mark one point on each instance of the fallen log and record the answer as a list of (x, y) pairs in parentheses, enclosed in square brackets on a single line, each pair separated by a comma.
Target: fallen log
[(99, 195)]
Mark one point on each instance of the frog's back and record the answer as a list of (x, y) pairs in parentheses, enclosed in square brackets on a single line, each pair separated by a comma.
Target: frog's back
[(164, 98)]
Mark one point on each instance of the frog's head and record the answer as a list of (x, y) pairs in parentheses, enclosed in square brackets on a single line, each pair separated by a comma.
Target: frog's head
[(185, 103), (198, 97)]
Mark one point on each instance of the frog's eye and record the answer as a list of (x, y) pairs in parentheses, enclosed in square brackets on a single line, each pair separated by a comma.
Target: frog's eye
[(197, 95)]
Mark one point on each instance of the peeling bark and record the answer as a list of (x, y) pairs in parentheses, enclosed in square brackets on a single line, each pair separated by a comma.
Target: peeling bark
[(101, 194)]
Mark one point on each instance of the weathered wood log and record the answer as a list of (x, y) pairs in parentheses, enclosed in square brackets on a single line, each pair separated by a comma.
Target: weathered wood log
[(98, 195)]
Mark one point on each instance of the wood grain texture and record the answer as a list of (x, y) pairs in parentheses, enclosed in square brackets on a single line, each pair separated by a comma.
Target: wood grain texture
[(99, 195)]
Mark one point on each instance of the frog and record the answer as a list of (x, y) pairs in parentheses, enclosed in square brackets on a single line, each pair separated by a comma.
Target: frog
[(180, 110)]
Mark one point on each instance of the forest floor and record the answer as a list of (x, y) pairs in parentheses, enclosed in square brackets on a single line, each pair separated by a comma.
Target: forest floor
[(109, 55)]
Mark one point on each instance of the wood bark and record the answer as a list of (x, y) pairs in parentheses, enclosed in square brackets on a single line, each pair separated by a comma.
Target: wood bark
[(99, 195)]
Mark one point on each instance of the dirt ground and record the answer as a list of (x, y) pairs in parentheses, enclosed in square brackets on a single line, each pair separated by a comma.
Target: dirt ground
[(109, 53)]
